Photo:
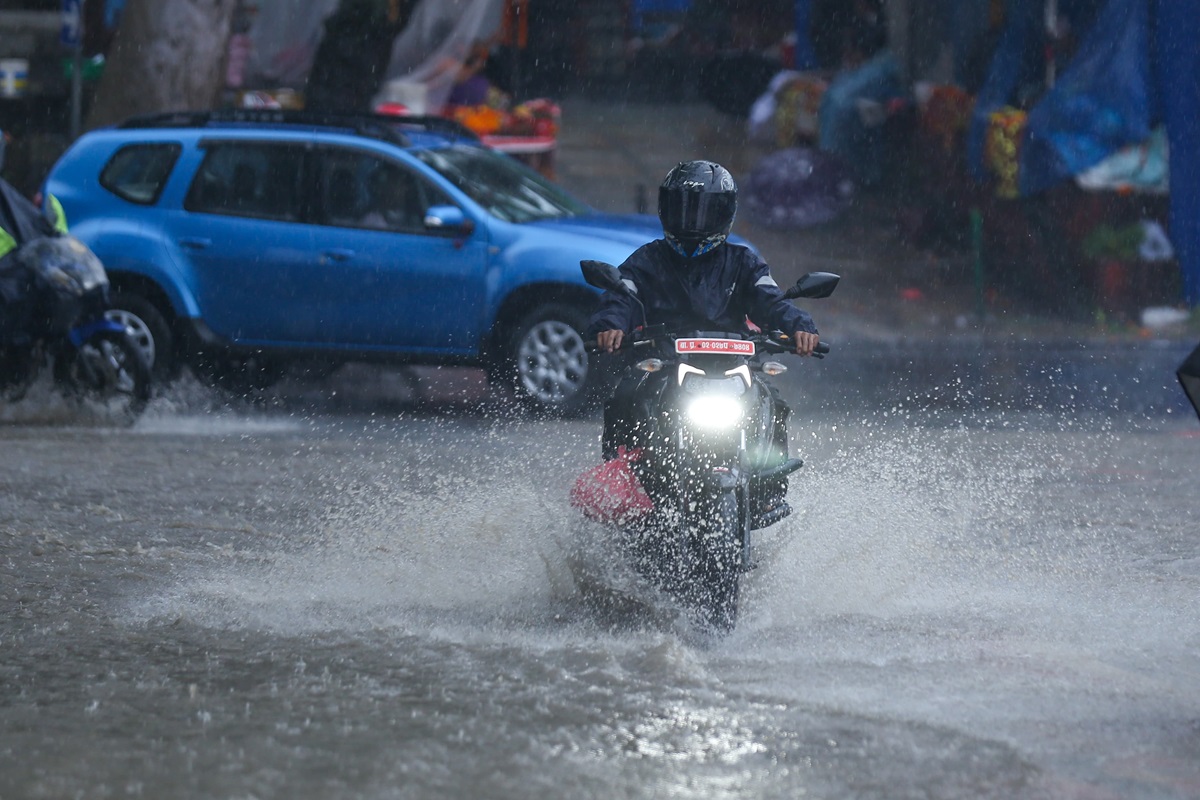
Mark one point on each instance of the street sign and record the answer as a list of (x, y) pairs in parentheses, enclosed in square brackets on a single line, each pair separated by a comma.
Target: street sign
[(72, 23)]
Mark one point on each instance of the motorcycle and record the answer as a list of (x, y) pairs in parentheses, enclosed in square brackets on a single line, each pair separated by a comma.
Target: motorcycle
[(683, 481), (53, 299)]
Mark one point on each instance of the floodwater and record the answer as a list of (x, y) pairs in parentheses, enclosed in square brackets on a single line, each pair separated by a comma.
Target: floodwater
[(332, 603)]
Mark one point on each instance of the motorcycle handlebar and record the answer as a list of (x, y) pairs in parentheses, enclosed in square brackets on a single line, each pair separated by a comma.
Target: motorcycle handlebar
[(783, 342)]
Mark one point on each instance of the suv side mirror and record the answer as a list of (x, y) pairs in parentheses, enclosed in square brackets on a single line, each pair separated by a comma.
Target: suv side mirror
[(449, 219), (813, 285)]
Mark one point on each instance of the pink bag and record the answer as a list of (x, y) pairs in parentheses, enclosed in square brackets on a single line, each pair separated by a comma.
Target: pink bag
[(611, 493)]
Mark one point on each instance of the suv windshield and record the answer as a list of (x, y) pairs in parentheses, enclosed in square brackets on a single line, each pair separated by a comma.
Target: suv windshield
[(504, 187)]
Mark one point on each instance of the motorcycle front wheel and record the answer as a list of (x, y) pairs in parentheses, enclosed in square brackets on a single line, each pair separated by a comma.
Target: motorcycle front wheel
[(107, 372), (716, 565)]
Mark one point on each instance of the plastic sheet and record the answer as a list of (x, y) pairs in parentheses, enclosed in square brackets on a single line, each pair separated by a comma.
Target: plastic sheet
[(797, 188), (1140, 167), (610, 492)]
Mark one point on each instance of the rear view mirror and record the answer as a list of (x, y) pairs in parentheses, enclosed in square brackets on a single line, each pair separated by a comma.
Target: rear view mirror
[(603, 276), (814, 286), (447, 218)]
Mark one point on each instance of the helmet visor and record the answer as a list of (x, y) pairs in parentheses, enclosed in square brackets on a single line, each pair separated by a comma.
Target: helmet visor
[(696, 214)]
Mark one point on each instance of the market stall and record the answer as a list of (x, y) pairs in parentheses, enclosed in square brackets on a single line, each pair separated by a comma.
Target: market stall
[(528, 132), (1098, 133), (438, 65)]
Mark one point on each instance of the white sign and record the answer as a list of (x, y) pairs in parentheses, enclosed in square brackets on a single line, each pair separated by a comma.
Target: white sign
[(738, 347)]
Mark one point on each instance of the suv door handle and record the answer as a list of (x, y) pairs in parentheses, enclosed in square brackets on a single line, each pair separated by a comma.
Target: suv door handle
[(337, 254), (195, 242)]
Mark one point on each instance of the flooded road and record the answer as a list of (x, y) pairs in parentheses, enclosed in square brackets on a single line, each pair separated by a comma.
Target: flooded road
[(258, 603)]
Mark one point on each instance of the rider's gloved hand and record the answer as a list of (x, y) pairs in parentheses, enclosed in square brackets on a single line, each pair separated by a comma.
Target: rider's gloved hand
[(609, 341), (805, 342)]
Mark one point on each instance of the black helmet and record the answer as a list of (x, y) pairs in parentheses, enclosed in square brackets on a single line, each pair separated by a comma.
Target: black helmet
[(696, 203)]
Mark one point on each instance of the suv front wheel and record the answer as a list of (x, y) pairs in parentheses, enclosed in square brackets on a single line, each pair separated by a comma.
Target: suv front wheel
[(149, 330), (546, 364)]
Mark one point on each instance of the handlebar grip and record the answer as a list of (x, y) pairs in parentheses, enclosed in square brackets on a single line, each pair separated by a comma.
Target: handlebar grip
[(780, 339), (592, 346)]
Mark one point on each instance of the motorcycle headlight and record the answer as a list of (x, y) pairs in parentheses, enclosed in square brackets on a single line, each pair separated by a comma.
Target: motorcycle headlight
[(714, 411), (716, 403)]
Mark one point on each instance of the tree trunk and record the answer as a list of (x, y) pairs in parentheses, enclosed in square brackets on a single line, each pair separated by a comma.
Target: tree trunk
[(168, 55)]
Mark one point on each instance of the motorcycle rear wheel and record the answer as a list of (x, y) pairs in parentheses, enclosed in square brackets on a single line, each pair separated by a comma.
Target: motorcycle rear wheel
[(108, 371)]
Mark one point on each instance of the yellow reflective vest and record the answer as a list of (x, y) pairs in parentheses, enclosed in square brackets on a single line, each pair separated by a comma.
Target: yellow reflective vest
[(54, 211)]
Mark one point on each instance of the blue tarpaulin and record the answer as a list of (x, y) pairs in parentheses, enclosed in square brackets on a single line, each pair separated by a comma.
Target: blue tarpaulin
[(1101, 103), (1176, 72)]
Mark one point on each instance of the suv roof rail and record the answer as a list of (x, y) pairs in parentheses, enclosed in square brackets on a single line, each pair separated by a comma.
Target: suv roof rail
[(376, 126), (425, 122)]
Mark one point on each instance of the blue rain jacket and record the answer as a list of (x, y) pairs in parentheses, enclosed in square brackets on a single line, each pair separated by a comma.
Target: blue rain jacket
[(715, 291)]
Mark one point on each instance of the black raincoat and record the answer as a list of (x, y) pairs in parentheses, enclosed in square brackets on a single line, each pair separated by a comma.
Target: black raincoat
[(21, 219), (20, 222)]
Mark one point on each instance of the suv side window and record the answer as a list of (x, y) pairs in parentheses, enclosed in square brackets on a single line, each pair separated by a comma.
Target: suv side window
[(360, 190), (249, 179), (138, 172)]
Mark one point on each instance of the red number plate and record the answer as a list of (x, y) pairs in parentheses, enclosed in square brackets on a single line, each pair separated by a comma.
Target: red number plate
[(735, 346)]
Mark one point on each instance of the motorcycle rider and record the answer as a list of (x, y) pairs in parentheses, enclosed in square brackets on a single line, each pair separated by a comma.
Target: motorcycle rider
[(694, 279)]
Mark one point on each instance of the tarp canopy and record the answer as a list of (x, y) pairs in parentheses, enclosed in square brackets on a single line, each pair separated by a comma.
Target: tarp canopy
[(285, 33)]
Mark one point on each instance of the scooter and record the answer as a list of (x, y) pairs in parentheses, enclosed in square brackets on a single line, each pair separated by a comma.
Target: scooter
[(682, 489), (53, 299)]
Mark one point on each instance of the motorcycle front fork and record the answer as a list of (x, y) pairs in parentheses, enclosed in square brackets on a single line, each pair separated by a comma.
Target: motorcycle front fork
[(717, 485)]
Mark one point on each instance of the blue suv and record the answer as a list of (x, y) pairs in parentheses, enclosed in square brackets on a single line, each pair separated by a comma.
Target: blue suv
[(240, 243)]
